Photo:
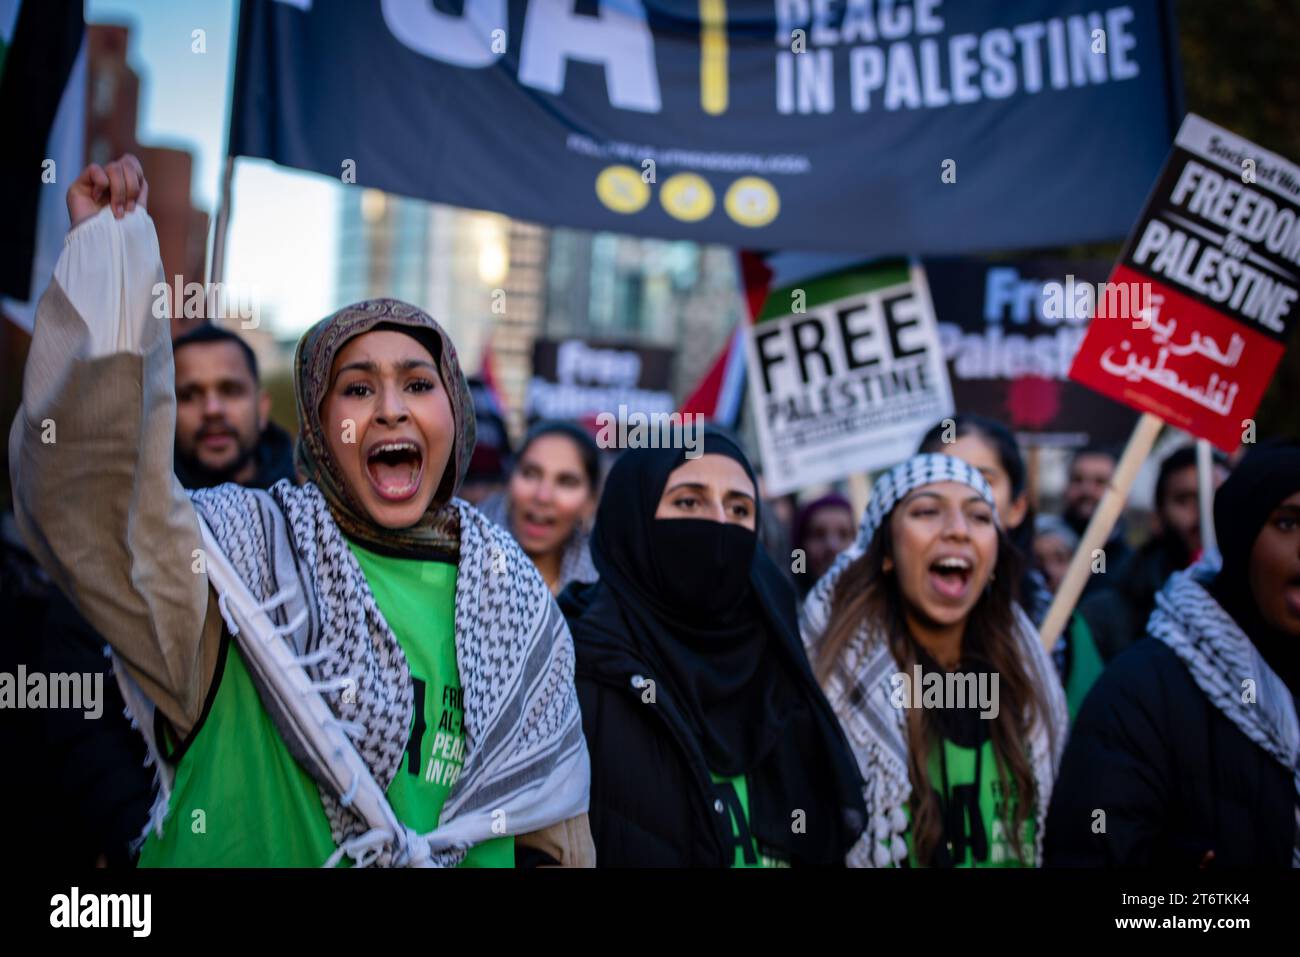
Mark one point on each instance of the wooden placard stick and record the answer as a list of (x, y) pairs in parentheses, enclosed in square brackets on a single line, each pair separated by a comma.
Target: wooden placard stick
[(1098, 531)]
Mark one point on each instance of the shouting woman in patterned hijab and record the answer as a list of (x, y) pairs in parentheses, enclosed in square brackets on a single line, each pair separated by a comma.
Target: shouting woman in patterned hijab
[(335, 670)]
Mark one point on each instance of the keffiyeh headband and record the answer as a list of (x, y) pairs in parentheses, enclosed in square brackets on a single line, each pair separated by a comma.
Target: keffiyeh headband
[(895, 485), (890, 489)]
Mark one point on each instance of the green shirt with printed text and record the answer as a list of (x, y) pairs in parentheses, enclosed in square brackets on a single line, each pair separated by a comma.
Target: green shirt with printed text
[(734, 795), (240, 799), (981, 837)]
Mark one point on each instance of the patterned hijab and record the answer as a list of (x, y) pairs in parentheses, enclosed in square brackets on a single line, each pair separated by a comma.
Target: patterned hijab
[(438, 530)]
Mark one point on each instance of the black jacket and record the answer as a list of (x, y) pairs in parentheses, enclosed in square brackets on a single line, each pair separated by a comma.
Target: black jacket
[(1173, 777), (1118, 608), (97, 767), (653, 800), (655, 805), (1117, 549)]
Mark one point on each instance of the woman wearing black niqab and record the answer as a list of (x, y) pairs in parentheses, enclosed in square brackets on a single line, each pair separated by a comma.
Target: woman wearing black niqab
[(1191, 738), (711, 743)]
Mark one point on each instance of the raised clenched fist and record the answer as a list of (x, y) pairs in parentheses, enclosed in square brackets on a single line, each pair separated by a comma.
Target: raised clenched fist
[(120, 184)]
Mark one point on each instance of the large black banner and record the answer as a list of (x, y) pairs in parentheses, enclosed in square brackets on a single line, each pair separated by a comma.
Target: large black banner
[(871, 126)]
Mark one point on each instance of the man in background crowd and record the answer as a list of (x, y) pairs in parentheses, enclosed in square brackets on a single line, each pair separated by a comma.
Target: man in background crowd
[(1091, 471), (1118, 607), (223, 428)]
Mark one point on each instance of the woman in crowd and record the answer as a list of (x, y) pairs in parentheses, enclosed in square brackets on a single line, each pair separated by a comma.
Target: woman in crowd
[(1054, 545), (987, 445), (822, 529), (711, 743), (550, 500), (322, 672), (923, 601), (1187, 752)]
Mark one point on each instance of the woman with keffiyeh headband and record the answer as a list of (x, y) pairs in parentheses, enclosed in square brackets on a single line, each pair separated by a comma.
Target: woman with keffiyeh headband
[(923, 601), (337, 670), (1189, 745)]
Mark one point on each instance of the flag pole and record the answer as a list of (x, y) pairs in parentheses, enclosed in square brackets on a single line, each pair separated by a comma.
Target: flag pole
[(218, 273), (1205, 490)]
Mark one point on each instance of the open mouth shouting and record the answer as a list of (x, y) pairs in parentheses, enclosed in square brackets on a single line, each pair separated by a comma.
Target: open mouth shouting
[(950, 576), (536, 525), (394, 467)]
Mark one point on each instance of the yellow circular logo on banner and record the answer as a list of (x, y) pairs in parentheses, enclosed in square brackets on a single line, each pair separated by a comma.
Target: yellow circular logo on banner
[(622, 189), (752, 201), (687, 197)]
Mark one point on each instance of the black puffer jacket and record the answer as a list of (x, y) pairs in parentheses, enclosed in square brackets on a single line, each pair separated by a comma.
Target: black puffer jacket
[(1179, 785), (655, 806), (653, 800), (1118, 608)]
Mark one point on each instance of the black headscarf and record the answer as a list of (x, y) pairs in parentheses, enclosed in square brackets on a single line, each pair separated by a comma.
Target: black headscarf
[(1261, 481), (715, 621)]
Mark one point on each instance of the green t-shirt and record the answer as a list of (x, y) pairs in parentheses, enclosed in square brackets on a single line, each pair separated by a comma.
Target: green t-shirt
[(734, 795), (1085, 664), (240, 799), (982, 837)]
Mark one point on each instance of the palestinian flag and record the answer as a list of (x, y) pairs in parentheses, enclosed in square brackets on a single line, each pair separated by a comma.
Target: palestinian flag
[(42, 113), (718, 396)]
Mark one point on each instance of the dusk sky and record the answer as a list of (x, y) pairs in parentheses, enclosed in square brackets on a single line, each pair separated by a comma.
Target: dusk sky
[(283, 233)]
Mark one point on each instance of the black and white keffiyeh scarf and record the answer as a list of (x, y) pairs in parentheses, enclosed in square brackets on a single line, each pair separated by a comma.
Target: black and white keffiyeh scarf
[(1228, 668), (859, 686), (526, 765)]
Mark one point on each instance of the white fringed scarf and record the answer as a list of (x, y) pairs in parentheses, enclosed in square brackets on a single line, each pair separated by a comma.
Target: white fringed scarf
[(526, 765)]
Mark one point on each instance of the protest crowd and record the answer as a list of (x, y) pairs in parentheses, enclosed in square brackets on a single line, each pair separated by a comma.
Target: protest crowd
[(329, 655), (968, 550)]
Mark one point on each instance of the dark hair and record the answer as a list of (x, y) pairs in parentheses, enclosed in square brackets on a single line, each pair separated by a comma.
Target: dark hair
[(588, 451), (206, 333), (1094, 448), (999, 437), (492, 459), (865, 592), (426, 337), (997, 434), (1180, 458)]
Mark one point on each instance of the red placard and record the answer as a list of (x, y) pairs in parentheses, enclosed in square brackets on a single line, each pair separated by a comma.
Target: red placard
[(1196, 316)]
